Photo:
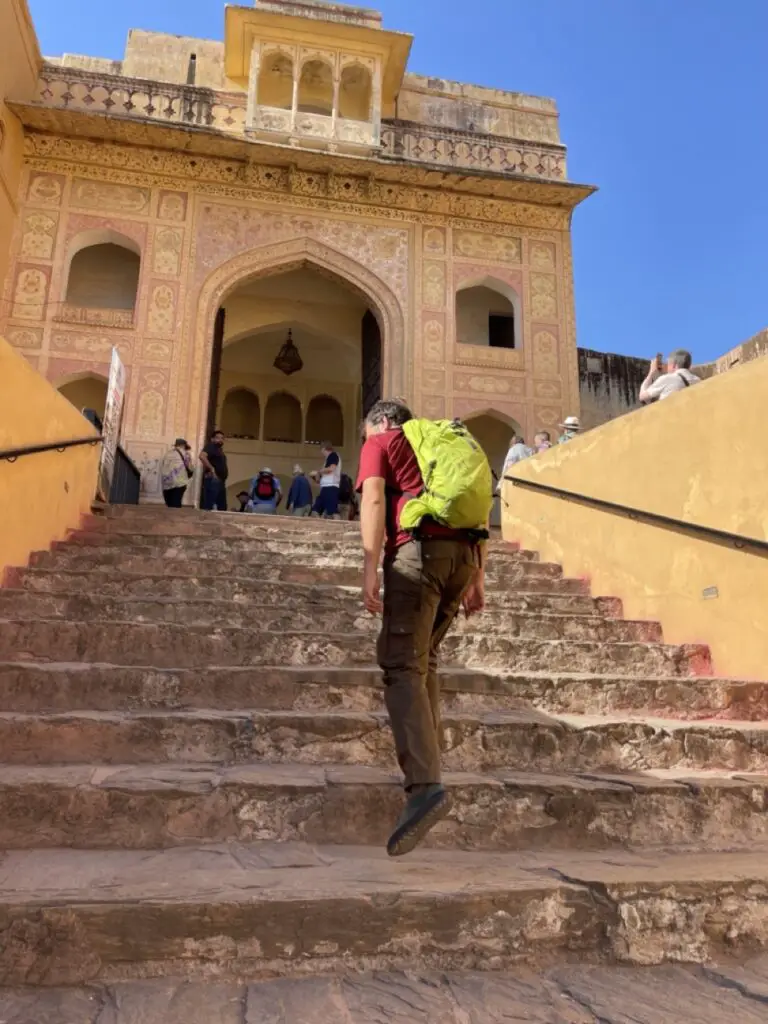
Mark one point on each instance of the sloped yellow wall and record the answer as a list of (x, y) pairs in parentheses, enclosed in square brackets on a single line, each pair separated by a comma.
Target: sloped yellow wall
[(42, 495), (700, 456)]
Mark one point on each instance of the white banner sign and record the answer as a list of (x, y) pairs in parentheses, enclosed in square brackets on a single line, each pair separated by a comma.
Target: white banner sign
[(113, 415)]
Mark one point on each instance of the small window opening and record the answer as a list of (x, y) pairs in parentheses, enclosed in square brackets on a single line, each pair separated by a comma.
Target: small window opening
[(192, 69), (501, 331)]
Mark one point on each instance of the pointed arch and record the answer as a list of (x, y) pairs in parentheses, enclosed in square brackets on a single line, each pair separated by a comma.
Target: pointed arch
[(269, 260)]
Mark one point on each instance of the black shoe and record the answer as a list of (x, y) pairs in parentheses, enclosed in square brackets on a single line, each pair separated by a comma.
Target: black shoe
[(422, 812)]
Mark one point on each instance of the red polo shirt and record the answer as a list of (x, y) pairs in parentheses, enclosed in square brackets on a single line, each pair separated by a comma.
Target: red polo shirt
[(390, 457)]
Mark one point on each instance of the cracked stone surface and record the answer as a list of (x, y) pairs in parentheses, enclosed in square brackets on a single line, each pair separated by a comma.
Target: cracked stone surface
[(571, 995)]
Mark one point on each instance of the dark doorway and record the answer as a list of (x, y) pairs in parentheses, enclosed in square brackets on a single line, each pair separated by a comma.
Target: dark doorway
[(371, 369), (213, 391)]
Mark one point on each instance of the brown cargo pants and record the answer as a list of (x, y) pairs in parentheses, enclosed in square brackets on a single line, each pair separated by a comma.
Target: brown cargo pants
[(423, 587)]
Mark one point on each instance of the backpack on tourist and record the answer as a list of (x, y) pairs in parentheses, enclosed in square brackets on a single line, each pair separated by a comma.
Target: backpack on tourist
[(458, 484), (264, 489)]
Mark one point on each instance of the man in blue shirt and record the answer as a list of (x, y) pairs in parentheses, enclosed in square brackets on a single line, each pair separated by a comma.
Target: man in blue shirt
[(300, 494)]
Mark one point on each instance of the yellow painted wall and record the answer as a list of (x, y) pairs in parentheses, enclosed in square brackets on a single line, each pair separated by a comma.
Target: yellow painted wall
[(43, 495), (699, 456), (19, 62)]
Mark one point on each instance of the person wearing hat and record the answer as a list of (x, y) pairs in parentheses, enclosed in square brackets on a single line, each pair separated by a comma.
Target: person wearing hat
[(243, 501), (175, 472), (266, 494), (570, 428)]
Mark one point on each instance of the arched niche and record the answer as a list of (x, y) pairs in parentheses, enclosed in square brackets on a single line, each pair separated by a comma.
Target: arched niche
[(103, 270), (356, 93), (488, 313), (275, 88), (85, 391), (325, 421), (316, 88), (241, 414), (282, 418), (494, 431)]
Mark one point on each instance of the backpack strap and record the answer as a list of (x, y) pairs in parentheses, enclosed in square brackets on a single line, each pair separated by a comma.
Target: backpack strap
[(684, 379)]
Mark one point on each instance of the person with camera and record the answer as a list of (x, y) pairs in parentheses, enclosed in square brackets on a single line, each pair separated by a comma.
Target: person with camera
[(176, 472), (658, 385)]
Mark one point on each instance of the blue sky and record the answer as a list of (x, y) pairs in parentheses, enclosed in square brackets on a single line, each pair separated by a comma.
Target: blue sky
[(662, 105)]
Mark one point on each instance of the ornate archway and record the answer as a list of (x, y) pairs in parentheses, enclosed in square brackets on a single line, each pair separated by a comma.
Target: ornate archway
[(269, 260)]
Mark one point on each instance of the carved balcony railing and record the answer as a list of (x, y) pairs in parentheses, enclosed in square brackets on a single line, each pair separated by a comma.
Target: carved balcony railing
[(94, 92), (158, 102), (448, 147)]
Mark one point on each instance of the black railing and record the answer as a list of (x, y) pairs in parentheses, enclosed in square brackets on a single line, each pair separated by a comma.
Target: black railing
[(126, 481), (12, 454), (710, 533)]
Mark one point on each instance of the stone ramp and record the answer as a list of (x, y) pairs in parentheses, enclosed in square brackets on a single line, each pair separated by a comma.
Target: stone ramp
[(571, 994), (197, 780)]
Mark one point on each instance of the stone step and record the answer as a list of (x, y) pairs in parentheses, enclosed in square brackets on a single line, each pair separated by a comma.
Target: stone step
[(168, 645), (511, 567), (279, 542), (522, 740), (164, 805), (526, 576), (35, 687), (243, 589), (570, 994), (336, 616), (71, 917)]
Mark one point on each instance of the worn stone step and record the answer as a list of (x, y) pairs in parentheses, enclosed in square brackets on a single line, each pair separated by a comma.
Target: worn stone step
[(191, 524), (255, 559), (55, 686), (251, 589), (167, 645), (162, 805), (338, 616), (569, 994), (34, 687), (290, 545), (78, 916), (523, 740), (267, 568)]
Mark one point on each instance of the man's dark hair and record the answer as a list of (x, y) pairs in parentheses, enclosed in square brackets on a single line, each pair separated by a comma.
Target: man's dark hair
[(392, 409), (215, 433), (681, 358)]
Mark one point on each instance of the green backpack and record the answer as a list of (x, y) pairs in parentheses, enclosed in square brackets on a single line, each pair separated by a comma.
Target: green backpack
[(458, 487)]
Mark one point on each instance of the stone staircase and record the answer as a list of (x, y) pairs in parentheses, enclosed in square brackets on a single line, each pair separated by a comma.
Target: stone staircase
[(198, 780)]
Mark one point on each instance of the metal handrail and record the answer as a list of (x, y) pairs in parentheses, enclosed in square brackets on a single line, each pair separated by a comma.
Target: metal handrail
[(711, 533), (12, 454)]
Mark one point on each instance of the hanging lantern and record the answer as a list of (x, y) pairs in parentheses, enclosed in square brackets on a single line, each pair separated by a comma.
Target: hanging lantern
[(288, 359)]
